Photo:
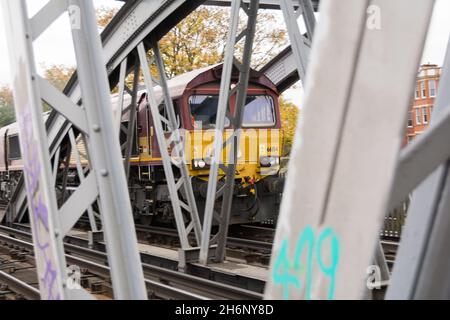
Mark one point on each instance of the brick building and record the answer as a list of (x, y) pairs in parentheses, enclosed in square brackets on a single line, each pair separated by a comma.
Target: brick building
[(423, 101)]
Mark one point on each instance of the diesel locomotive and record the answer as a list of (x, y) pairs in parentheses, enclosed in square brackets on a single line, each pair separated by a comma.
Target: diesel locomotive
[(258, 185)]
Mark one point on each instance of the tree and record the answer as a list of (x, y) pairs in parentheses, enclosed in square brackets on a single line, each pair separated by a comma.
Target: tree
[(58, 75), (105, 15), (7, 115), (199, 39), (289, 115)]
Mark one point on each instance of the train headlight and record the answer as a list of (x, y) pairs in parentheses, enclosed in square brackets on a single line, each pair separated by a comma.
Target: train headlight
[(199, 164), (268, 162)]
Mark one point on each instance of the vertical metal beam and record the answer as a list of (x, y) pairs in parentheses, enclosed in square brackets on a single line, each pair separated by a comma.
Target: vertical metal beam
[(117, 218), (132, 119), (323, 243), (43, 210), (65, 173), (308, 16), (422, 259), (81, 176), (121, 85)]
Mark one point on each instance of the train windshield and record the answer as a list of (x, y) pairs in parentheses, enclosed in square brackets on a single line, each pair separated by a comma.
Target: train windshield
[(204, 111), (259, 111)]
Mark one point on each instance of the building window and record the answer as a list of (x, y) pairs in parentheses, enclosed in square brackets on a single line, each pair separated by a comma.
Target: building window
[(410, 139), (417, 116), (424, 115), (423, 89), (417, 95), (410, 119), (432, 85)]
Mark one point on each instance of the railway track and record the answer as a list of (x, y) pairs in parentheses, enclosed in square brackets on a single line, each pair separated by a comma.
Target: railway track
[(258, 240), (232, 241), (22, 285), (15, 276), (17, 287), (161, 282), (159, 277), (252, 243)]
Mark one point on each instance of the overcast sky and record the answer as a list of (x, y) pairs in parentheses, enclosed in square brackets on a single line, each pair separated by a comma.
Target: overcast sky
[(55, 45)]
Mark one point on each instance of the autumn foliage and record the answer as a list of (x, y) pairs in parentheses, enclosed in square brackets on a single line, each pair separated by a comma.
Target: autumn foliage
[(289, 117)]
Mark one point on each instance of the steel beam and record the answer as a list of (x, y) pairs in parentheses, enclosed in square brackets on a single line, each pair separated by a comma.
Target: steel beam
[(323, 243), (81, 177), (263, 4), (299, 43), (132, 126), (422, 157), (106, 179), (105, 157), (422, 259), (177, 158), (241, 98), (222, 108), (178, 150), (301, 53), (44, 218)]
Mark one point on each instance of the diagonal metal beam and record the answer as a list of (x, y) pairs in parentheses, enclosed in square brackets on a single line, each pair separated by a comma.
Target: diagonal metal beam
[(163, 143), (264, 4), (323, 243), (241, 97), (422, 258), (62, 104), (420, 158), (219, 129)]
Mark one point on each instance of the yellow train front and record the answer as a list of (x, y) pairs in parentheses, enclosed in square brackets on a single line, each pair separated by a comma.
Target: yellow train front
[(195, 96)]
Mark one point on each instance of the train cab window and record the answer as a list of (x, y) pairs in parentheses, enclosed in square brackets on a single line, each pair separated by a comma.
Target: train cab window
[(13, 147), (259, 111), (164, 113), (204, 111)]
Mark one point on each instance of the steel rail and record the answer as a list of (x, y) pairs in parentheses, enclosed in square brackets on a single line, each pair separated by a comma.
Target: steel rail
[(231, 241), (213, 289), (263, 246), (19, 287), (161, 290)]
